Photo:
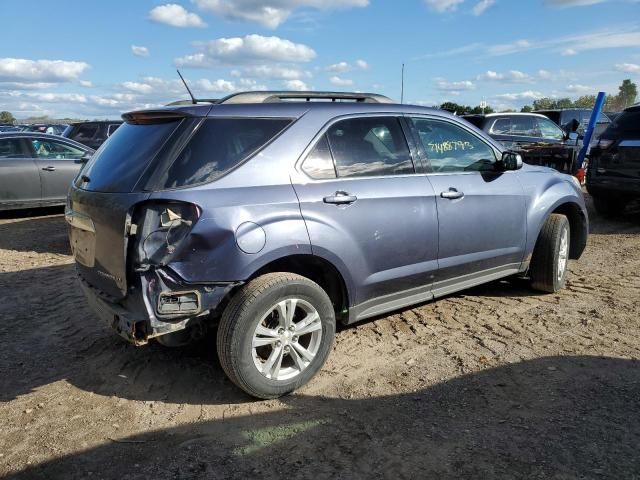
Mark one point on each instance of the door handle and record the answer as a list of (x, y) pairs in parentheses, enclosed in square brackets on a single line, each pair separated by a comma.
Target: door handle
[(452, 194), (49, 169), (340, 198)]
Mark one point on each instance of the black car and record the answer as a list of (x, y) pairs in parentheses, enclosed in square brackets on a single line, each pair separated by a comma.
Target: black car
[(613, 177), (565, 118), (92, 134), (535, 137)]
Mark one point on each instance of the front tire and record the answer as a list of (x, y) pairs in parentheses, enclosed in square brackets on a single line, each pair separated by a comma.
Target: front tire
[(550, 259), (275, 334)]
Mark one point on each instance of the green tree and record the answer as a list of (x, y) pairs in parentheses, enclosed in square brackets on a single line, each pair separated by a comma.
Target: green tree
[(564, 103), (526, 109), (544, 103), (454, 107), (627, 94), (7, 117), (585, 101)]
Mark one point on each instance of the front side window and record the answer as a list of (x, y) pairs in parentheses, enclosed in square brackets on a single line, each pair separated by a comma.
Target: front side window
[(55, 150), (11, 148), (549, 129), (451, 148), (369, 146), (219, 145)]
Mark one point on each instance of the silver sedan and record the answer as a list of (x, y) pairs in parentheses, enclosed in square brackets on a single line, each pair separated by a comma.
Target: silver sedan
[(37, 169)]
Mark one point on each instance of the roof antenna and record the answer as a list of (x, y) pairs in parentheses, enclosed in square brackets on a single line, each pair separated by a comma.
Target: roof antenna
[(193, 99)]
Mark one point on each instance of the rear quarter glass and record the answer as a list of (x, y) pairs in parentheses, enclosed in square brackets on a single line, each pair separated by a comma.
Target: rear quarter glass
[(218, 146), (119, 163)]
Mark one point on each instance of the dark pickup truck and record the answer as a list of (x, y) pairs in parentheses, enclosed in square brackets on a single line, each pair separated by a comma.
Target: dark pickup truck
[(539, 140), (613, 177)]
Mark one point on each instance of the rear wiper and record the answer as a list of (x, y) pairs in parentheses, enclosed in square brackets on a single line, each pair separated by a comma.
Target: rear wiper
[(85, 179)]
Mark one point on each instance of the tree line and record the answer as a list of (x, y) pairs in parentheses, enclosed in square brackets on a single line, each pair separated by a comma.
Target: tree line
[(626, 96)]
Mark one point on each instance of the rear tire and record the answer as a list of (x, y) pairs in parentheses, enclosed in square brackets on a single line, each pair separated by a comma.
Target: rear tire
[(275, 334), (607, 206), (549, 264)]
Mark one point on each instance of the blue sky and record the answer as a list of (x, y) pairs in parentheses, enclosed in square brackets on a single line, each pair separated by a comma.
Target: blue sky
[(93, 59)]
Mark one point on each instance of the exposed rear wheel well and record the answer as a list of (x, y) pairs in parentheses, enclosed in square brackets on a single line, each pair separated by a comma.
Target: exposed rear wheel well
[(578, 224), (318, 270)]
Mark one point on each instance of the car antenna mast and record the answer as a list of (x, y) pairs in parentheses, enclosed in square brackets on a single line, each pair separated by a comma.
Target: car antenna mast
[(193, 99)]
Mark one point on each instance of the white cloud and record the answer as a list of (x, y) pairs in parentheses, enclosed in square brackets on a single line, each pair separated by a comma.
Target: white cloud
[(454, 87), (216, 86), (512, 76), (574, 44), (482, 6), (176, 16), (545, 74), (140, 51), (26, 85), (573, 3), (247, 49), (297, 85), (85, 83), (528, 95), (54, 71), (270, 13), (628, 67), (442, 6), (271, 71), (342, 67), (341, 82), (339, 67), (137, 87), (581, 89)]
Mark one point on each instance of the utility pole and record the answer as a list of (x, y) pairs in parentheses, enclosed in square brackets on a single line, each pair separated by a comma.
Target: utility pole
[(402, 86)]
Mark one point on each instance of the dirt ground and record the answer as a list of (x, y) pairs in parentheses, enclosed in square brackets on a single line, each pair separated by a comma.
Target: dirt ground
[(494, 382)]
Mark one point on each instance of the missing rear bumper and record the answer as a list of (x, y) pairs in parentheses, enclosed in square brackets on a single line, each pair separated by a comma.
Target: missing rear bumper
[(159, 311)]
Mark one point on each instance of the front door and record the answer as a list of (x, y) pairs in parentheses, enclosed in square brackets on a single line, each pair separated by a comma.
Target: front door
[(58, 164), (369, 213), (481, 211)]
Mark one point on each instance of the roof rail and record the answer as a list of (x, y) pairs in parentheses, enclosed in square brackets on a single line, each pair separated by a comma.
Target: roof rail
[(283, 96)]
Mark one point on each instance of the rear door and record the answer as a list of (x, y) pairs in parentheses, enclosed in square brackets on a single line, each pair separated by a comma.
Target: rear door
[(481, 211), (58, 164), (369, 212), (19, 178)]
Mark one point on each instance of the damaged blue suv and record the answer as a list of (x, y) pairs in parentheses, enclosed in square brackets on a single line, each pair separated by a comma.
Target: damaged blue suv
[(273, 215)]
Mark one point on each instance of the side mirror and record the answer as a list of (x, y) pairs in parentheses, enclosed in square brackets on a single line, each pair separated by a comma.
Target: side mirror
[(511, 161)]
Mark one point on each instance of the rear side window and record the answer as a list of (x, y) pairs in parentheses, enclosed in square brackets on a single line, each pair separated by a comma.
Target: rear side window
[(370, 146), (121, 160), (219, 145)]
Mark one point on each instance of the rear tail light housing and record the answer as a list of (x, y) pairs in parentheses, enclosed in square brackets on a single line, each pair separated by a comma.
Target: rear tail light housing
[(160, 229)]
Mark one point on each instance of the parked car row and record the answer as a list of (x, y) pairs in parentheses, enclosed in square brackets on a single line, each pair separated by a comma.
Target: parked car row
[(91, 133)]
